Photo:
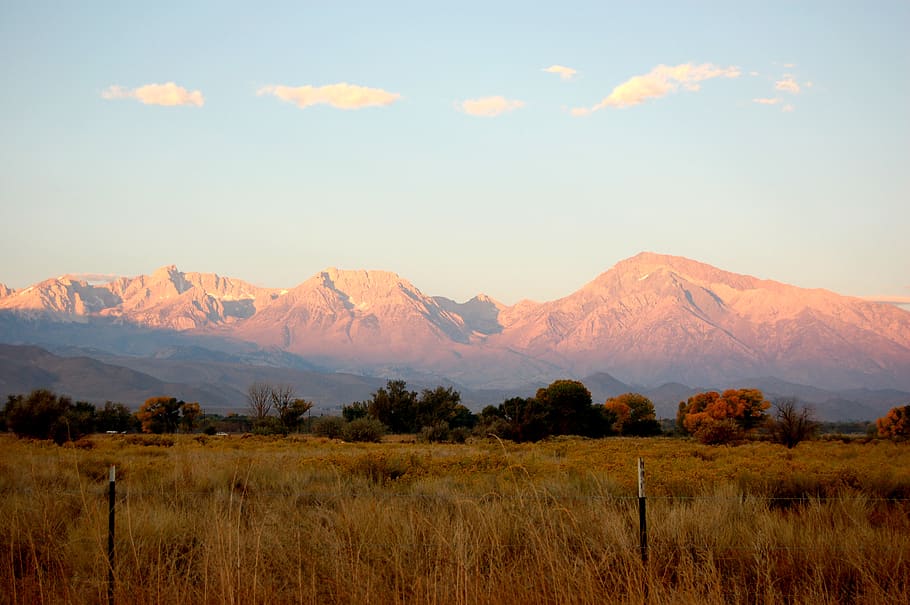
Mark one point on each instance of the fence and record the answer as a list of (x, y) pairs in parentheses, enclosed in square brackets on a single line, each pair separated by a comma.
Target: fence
[(243, 536), (534, 504)]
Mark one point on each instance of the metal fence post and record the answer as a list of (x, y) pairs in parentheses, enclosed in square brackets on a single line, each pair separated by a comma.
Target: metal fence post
[(110, 535), (642, 521)]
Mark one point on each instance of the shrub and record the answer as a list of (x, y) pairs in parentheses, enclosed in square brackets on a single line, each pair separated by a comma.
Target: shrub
[(270, 425), (459, 434), (717, 432), (328, 426), (363, 429), (434, 433)]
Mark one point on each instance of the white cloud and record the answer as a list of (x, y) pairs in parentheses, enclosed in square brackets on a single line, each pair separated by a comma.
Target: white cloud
[(566, 73), (661, 81), (167, 94), (787, 84), (771, 101), (339, 96), (489, 107), (788, 108)]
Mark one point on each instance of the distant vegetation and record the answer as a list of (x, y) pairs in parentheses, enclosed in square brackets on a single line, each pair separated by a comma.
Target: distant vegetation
[(565, 407)]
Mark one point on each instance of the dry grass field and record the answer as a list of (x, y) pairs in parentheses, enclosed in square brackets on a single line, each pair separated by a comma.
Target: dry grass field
[(301, 520)]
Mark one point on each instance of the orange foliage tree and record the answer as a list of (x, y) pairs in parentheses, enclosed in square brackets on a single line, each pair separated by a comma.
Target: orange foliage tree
[(163, 415), (634, 415), (896, 423), (714, 417)]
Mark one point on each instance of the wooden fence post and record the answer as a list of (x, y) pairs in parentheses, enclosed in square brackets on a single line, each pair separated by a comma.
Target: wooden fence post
[(642, 521), (110, 535)]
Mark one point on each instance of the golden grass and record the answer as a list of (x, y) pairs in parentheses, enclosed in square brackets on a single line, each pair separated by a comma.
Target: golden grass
[(260, 520)]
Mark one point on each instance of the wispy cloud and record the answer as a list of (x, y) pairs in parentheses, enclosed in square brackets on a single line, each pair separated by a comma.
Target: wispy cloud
[(660, 82), (891, 299), (167, 94), (788, 108), (489, 107), (771, 101), (339, 96), (566, 73), (787, 84), (92, 277)]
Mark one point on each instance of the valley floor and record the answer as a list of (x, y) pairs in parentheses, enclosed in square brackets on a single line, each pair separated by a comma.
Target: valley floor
[(302, 520)]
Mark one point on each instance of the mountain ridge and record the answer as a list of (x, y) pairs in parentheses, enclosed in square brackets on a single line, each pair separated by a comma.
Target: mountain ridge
[(649, 319)]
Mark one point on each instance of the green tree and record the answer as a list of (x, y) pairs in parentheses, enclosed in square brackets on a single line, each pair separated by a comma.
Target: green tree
[(439, 405), (358, 409), (292, 414), (115, 417), (395, 406), (82, 418), (524, 419), (42, 415), (568, 404)]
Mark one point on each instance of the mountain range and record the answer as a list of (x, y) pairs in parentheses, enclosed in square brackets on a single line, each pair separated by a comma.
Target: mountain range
[(649, 320)]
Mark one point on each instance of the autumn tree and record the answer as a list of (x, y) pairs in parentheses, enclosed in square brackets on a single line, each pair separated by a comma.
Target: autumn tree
[(895, 424), (634, 415), (190, 413), (714, 417), (167, 414)]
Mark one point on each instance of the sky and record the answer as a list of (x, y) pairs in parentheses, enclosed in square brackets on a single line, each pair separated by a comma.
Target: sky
[(517, 149)]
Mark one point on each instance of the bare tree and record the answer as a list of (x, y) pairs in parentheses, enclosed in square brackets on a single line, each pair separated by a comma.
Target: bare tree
[(282, 397), (259, 397), (793, 422)]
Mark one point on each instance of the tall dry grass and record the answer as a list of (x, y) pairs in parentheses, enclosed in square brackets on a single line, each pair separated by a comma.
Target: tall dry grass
[(307, 521)]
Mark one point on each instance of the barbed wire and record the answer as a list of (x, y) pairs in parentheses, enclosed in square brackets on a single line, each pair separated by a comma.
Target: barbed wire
[(251, 491)]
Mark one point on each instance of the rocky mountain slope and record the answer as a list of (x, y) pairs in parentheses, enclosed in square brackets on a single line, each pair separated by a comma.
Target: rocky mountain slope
[(649, 320)]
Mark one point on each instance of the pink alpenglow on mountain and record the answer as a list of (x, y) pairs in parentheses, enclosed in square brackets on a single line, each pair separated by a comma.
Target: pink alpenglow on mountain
[(649, 319)]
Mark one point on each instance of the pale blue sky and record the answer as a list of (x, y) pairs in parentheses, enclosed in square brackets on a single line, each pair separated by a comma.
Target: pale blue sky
[(811, 187)]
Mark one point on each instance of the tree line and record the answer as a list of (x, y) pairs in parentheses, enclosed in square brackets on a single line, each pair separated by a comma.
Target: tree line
[(565, 407)]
